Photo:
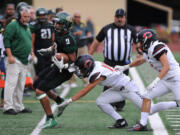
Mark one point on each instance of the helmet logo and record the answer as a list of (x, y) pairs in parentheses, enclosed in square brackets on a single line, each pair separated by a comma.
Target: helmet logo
[(69, 19), (147, 35), (87, 63)]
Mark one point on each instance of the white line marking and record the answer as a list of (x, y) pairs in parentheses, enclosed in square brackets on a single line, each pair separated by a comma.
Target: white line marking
[(173, 118), (175, 122), (37, 130), (175, 125), (178, 133), (171, 115), (171, 110), (176, 129), (155, 121)]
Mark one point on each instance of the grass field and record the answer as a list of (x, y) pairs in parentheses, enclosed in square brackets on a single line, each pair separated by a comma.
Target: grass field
[(82, 117)]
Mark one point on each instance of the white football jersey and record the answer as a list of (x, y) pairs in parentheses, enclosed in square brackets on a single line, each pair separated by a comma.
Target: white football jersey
[(152, 57), (114, 78)]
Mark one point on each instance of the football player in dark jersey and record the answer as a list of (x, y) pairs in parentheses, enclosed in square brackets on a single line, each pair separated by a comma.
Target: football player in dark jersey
[(53, 76), (42, 37)]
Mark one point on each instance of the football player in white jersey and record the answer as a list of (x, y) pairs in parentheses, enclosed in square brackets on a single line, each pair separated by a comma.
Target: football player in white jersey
[(160, 57), (121, 88)]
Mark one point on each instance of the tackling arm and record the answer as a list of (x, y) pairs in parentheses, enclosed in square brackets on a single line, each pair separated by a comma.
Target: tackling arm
[(88, 88), (93, 47), (165, 66)]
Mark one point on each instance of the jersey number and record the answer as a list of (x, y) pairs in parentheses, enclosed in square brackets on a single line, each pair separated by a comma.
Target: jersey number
[(45, 33), (67, 41)]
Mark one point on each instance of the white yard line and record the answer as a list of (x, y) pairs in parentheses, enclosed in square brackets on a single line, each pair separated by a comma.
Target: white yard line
[(37, 129), (155, 121), (172, 115), (172, 118)]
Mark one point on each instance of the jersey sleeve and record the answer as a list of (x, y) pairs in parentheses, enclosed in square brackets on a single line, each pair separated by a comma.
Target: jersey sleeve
[(101, 35), (9, 34), (94, 77), (159, 50)]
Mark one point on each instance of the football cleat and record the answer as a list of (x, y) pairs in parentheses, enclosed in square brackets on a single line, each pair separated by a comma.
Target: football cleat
[(138, 127), (61, 110), (119, 124), (50, 123)]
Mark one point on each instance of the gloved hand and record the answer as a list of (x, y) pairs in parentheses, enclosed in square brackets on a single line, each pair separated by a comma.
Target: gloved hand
[(153, 84), (72, 68), (44, 51), (60, 64), (63, 106), (122, 68)]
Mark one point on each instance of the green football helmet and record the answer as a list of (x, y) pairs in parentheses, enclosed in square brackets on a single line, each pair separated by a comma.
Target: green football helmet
[(64, 20), (41, 14)]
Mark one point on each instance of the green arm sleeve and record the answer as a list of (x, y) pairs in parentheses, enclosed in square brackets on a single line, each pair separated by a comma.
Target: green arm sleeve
[(8, 34)]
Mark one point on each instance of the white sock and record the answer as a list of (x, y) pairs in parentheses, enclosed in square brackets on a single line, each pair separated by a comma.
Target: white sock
[(108, 109), (163, 106), (144, 118)]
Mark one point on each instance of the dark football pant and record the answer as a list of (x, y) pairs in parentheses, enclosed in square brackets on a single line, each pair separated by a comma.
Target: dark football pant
[(119, 105), (50, 78), (43, 62)]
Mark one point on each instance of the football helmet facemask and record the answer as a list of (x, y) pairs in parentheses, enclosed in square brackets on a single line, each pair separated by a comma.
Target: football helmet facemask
[(41, 14), (85, 64), (145, 38), (63, 22)]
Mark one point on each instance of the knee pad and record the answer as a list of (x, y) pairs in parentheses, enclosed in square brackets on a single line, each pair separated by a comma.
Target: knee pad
[(178, 103), (41, 96)]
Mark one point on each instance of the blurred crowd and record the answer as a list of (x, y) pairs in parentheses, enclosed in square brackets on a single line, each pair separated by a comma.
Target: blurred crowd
[(83, 31)]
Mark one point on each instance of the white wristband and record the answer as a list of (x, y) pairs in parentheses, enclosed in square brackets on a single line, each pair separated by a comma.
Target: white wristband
[(126, 67)]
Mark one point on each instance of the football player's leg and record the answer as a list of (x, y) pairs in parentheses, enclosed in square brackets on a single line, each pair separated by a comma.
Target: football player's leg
[(161, 106), (106, 98), (175, 90), (104, 103), (56, 81), (158, 91), (131, 92)]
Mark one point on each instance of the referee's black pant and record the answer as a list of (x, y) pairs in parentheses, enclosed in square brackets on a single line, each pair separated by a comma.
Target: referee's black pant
[(118, 105)]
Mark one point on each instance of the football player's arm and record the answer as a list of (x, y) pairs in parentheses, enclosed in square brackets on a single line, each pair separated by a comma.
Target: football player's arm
[(93, 46), (165, 66), (33, 41), (88, 88), (72, 56), (53, 38), (138, 61)]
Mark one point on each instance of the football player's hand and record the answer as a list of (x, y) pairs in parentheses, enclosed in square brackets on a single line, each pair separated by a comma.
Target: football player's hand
[(122, 68), (153, 84), (72, 68), (60, 64), (11, 59), (63, 106)]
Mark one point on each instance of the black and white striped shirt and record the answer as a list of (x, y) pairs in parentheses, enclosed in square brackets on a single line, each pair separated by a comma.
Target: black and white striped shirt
[(117, 42)]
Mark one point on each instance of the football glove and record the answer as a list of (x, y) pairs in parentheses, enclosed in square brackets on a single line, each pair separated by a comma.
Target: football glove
[(72, 68), (153, 84), (60, 64), (63, 106), (45, 51), (122, 68)]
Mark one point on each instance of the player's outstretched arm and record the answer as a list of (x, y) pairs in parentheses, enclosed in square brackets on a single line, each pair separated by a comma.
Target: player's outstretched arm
[(80, 94)]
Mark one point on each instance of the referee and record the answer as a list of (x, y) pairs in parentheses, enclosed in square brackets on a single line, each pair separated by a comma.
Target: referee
[(118, 39)]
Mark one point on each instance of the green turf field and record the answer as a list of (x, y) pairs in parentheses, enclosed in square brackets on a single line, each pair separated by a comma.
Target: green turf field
[(82, 117)]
